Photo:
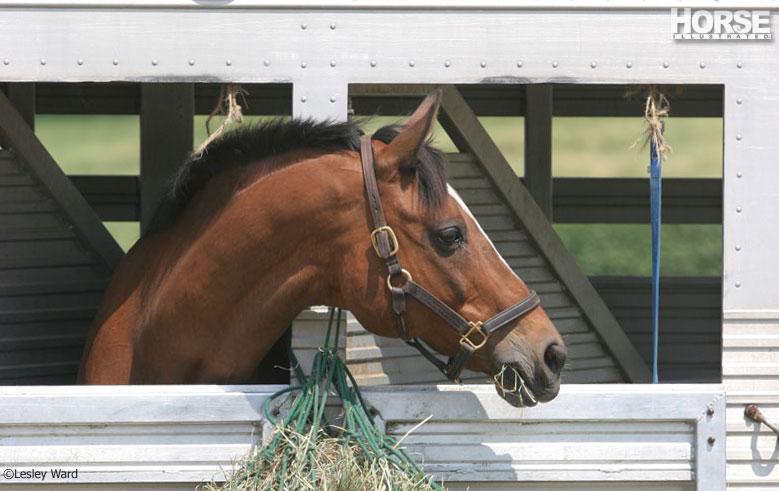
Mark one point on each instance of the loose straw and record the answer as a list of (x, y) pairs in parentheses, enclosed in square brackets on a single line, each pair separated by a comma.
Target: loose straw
[(228, 94), (655, 111)]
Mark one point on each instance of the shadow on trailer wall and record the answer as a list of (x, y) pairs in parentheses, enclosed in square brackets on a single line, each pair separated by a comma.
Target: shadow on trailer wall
[(55, 258)]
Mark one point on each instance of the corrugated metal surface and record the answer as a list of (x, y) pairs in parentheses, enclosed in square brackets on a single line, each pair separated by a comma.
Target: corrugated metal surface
[(376, 361), (51, 282), (594, 437), (750, 372)]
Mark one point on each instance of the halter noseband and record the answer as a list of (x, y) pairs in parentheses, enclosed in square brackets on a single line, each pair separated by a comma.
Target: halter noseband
[(473, 335)]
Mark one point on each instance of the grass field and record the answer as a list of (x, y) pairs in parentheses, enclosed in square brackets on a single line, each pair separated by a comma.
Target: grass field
[(582, 147)]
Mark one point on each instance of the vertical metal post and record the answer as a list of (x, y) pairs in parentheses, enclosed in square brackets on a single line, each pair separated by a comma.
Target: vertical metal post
[(538, 145), (167, 123), (22, 96)]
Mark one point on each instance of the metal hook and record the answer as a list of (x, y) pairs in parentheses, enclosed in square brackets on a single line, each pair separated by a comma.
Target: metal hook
[(753, 413)]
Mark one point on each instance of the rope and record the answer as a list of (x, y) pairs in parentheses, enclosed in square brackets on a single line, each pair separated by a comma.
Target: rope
[(656, 109), (228, 94), (293, 444)]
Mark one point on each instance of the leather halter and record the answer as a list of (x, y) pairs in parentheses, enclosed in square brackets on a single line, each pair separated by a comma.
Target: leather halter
[(473, 335)]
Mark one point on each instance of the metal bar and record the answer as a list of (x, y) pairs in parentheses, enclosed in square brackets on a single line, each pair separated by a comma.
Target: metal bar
[(167, 123), (22, 96), (538, 145)]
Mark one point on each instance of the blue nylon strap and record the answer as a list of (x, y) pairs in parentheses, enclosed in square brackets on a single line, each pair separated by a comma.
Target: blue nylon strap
[(655, 193)]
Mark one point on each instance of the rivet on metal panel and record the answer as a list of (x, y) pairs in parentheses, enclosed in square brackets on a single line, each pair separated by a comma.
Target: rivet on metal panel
[(738, 284), (116, 62), (80, 62), (303, 99), (304, 26), (739, 100), (43, 61), (229, 62), (447, 63), (593, 64), (6, 61), (739, 64), (191, 62), (519, 64), (629, 64), (710, 410), (303, 65), (373, 62), (555, 64), (738, 136), (332, 26), (711, 440), (483, 64), (266, 62), (739, 209), (666, 64), (332, 63), (703, 64), (332, 98), (155, 62), (739, 174), (411, 63), (738, 247)]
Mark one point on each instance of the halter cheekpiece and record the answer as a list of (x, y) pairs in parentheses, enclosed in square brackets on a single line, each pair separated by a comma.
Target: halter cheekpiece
[(473, 335)]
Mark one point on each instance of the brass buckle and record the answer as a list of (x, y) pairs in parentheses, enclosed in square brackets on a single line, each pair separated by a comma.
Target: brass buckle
[(405, 273), (393, 240), (475, 327)]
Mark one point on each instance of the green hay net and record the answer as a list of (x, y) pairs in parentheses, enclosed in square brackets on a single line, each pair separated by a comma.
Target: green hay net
[(308, 452)]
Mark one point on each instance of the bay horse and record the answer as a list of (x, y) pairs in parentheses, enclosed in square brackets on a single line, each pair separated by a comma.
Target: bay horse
[(282, 215)]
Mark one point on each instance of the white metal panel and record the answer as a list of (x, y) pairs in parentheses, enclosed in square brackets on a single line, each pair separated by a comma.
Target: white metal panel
[(177, 434)]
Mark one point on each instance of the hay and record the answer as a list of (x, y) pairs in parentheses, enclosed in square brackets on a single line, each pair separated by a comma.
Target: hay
[(656, 109), (228, 104)]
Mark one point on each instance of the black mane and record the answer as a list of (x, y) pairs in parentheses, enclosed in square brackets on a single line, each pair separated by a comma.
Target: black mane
[(253, 144)]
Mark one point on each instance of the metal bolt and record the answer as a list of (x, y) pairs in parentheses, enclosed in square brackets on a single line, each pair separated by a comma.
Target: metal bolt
[(739, 174), (332, 98), (711, 440), (738, 247), (519, 64), (738, 209), (739, 100), (116, 62), (332, 26), (303, 65), (155, 62), (554, 64), (738, 284), (191, 62), (593, 64), (303, 99), (739, 64), (447, 63), (373, 62), (629, 64), (6, 61), (738, 137), (411, 63), (703, 64), (709, 410), (43, 61), (266, 62), (80, 62), (666, 64), (483, 64), (304, 26), (229, 62), (332, 63)]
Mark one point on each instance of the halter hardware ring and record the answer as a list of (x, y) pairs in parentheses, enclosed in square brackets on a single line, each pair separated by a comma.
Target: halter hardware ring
[(475, 327), (392, 238), (403, 272)]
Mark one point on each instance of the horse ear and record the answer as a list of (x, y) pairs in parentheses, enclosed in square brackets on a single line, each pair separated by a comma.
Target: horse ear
[(403, 150)]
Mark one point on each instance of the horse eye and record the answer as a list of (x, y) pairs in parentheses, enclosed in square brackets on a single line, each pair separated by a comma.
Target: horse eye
[(450, 235)]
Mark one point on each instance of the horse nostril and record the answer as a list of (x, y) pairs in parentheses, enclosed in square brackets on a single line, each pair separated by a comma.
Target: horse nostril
[(554, 357)]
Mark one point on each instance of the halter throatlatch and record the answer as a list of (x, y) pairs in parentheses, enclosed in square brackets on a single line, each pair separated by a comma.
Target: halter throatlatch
[(473, 335)]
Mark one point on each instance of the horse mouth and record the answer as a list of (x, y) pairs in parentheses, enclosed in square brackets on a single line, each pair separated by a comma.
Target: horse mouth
[(511, 386)]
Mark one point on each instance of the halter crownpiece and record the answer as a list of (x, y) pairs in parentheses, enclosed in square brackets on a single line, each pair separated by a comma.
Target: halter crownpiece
[(473, 334)]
